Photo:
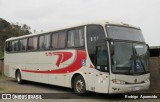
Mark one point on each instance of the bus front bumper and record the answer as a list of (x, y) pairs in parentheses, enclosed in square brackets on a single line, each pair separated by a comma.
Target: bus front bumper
[(125, 88)]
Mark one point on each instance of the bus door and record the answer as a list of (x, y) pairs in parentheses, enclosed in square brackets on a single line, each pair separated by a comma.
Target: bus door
[(102, 68)]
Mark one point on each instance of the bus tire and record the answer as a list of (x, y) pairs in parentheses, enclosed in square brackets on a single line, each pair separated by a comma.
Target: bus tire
[(18, 77), (79, 85)]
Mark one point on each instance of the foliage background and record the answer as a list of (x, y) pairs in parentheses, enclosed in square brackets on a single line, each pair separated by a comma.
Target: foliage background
[(8, 30)]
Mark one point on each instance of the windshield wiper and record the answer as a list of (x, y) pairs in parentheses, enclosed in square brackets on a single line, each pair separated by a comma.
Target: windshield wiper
[(138, 58), (134, 58), (131, 63)]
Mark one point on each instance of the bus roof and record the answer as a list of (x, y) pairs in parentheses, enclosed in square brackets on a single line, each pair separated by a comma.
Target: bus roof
[(82, 24)]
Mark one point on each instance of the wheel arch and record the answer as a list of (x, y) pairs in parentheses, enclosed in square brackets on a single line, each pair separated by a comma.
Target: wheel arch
[(78, 74), (16, 70)]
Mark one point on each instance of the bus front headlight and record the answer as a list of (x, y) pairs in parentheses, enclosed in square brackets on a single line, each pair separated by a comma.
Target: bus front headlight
[(146, 81), (115, 81)]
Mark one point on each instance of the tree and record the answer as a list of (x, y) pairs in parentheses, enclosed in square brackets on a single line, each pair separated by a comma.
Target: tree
[(8, 30)]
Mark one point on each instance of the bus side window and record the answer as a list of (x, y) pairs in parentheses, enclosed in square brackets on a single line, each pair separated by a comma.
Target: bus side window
[(75, 38), (34, 43), (94, 33), (54, 43), (14, 46), (8, 46), (62, 39), (71, 38), (22, 44), (30, 41), (102, 58), (44, 42), (79, 37)]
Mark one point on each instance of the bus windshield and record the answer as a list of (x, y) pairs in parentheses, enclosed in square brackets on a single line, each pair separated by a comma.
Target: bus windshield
[(130, 51), (129, 58), (125, 33)]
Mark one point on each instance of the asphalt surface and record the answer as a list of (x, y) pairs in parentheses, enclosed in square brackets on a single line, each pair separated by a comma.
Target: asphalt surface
[(59, 94)]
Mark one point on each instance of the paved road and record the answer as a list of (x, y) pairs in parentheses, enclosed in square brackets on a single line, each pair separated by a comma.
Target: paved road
[(10, 86)]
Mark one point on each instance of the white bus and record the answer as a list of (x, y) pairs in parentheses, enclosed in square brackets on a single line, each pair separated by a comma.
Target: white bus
[(103, 57)]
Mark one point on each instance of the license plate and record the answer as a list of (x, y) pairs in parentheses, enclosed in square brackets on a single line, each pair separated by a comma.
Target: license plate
[(135, 89)]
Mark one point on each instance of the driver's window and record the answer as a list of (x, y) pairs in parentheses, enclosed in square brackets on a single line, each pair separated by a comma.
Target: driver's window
[(102, 58)]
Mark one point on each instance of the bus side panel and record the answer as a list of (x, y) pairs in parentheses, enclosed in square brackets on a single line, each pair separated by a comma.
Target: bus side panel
[(6, 69), (61, 78), (35, 62), (9, 65)]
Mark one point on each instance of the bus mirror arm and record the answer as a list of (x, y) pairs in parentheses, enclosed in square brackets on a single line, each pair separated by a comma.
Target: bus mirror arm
[(111, 45), (148, 50), (109, 39), (147, 46)]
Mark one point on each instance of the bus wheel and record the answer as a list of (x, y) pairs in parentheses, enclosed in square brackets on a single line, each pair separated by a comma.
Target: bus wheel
[(79, 85), (18, 77)]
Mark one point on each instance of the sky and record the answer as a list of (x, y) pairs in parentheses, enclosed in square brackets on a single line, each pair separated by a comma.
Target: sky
[(48, 15)]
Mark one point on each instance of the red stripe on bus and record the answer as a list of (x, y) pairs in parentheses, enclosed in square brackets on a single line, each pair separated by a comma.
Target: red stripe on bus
[(63, 56), (81, 55), (91, 66)]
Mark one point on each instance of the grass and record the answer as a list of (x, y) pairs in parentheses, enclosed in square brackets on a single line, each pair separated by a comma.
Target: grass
[(1, 53), (2, 76), (2, 88)]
